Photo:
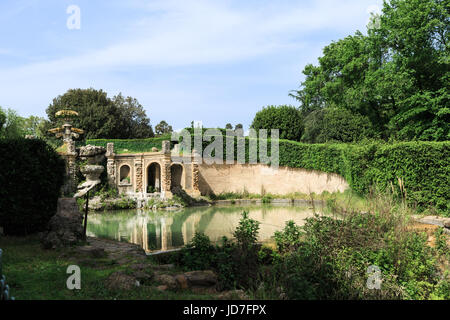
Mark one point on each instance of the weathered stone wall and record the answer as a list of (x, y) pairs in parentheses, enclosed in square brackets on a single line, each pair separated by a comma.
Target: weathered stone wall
[(257, 177)]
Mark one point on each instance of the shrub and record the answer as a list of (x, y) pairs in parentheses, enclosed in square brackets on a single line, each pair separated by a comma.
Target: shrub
[(333, 256), (285, 118), (31, 177), (288, 239)]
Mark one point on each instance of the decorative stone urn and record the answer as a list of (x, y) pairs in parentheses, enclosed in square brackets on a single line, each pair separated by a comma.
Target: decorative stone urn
[(92, 170)]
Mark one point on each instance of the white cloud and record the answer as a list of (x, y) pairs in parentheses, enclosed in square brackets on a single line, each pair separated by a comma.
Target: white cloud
[(180, 33)]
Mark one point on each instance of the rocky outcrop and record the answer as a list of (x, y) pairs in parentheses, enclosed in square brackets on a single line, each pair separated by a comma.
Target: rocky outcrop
[(201, 279), (65, 227), (121, 281)]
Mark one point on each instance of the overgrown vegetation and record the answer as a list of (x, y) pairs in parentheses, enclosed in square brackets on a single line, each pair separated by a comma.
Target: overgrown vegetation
[(330, 257)]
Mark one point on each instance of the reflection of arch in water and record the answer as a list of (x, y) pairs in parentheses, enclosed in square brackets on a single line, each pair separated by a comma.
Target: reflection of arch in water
[(154, 177)]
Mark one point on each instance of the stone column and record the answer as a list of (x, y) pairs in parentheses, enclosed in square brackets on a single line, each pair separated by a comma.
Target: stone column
[(111, 171), (110, 165), (195, 174), (165, 171), (138, 174)]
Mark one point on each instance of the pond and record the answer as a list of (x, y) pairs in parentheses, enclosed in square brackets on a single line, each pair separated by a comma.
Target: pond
[(165, 230)]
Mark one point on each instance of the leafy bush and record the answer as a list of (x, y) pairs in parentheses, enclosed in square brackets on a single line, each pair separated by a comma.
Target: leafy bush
[(285, 118), (288, 239), (332, 259), (31, 177), (237, 263)]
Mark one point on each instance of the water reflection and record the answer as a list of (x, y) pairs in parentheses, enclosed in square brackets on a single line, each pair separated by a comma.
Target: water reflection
[(164, 230)]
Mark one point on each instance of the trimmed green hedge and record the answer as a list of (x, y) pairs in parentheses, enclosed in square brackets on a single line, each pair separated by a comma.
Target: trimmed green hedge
[(133, 146), (424, 167), (31, 177)]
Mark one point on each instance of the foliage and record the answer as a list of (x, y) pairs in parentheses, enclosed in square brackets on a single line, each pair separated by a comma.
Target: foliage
[(285, 118), (235, 262), (28, 165), (131, 145), (137, 124), (163, 128), (397, 75), (11, 124), (336, 125), (288, 240), (333, 257), (246, 233), (100, 116)]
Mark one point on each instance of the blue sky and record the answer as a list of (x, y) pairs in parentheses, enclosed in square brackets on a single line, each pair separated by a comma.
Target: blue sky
[(214, 61)]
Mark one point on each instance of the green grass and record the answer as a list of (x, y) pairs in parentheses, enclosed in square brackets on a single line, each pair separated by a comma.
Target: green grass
[(36, 274)]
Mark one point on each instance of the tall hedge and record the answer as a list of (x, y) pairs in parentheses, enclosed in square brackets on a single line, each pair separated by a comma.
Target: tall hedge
[(31, 176)]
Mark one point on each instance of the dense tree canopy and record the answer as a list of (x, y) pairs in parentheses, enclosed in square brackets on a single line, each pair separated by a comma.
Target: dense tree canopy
[(285, 118), (11, 124), (163, 128), (102, 117), (397, 75), (337, 125)]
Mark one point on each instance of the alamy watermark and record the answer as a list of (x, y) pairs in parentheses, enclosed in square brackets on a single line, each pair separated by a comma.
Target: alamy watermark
[(74, 280), (74, 20), (374, 279), (234, 143)]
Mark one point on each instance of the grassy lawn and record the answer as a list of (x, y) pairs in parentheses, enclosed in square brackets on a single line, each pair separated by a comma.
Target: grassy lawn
[(35, 273)]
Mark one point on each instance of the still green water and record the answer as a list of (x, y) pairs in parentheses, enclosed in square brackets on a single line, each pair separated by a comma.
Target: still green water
[(165, 230)]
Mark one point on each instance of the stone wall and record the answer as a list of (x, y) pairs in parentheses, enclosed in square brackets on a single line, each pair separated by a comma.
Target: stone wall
[(254, 178)]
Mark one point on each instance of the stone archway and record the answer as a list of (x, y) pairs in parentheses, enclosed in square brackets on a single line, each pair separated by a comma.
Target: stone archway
[(125, 174), (153, 178), (176, 174)]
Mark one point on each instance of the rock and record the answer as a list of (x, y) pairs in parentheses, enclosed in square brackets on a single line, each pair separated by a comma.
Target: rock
[(65, 227), (182, 281), (94, 154), (206, 278), (143, 277), (93, 252), (447, 223), (164, 267), (154, 149), (167, 280), (233, 295), (121, 281), (162, 288)]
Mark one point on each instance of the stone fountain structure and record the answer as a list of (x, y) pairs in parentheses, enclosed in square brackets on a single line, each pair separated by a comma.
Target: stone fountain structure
[(66, 226), (68, 151), (92, 170)]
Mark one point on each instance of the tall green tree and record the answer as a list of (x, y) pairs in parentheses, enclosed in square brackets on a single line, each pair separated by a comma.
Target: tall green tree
[(163, 128), (12, 125), (100, 116), (397, 75), (135, 118)]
